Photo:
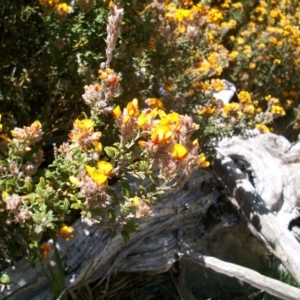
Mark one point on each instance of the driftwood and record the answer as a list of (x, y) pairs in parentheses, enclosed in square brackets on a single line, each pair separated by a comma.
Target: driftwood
[(261, 177)]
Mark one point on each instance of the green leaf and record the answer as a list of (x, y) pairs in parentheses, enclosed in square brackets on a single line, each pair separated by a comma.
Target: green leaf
[(77, 205), (32, 198), (131, 226), (42, 182), (96, 211), (111, 151), (125, 186), (28, 185), (141, 175), (111, 233), (111, 214), (126, 237)]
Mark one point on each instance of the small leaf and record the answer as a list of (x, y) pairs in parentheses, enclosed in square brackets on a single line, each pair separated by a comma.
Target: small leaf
[(125, 186), (42, 182), (97, 212), (131, 227), (28, 185), (126, 237), (110, 151)]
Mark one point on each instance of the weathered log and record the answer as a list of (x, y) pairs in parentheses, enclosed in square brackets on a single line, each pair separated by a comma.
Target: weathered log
[(184, 217), (272, 286)]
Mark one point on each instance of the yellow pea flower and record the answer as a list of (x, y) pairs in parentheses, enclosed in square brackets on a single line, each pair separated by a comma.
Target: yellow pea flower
[(262, 128), (105, 167), (132, 108), (179, 152), (201, 160), (84, 125), (96, 175), (161, 134), (117, 112)]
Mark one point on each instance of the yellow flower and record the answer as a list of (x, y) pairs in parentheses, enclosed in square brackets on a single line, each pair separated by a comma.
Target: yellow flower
[(232, 110), (214, 15), (277, 110), (62, 9), (132, 108), (98, 146), (136, 200), (161, 134), (244, 97), (96, 175), (249, 109), (262, 128), (252, 65), (117, 112), (142, 120), (179, 152), (277, 61), (267, 98), (45, 250), (217, 84), (237, 5), (84, 125), (156, 103), (4, 195), (105, 167), (66, 232), (201, 160), (207, 110), (142, 144)]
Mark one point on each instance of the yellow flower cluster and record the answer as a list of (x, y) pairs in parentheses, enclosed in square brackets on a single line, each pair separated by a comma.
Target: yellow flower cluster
[(61, 9), (166, 136), (84, 135)]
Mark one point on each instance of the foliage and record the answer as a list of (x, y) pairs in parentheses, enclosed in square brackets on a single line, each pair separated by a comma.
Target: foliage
[(148, 111)]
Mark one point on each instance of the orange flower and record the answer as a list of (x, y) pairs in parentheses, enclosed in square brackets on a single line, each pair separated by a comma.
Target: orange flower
[(179, 152), (66, 232), (45, 250)]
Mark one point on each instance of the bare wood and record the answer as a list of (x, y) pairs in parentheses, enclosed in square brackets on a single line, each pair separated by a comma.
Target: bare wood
[(271, 286), (280, 239)]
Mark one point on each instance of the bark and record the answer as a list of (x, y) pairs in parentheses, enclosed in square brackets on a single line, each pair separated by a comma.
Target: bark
[(261, 176)]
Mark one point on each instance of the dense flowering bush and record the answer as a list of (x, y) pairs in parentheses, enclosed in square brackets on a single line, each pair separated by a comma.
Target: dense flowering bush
[(148, 111)]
